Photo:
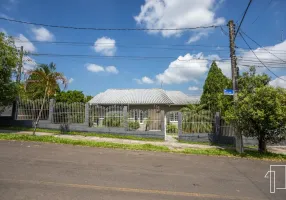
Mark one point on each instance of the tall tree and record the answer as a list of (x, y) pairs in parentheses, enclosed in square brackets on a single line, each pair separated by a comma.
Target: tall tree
[(213, 88), (8, 62), (260, 110), (261, 114), (45, 76)]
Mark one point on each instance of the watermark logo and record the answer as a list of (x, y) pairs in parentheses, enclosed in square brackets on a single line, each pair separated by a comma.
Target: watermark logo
[(277, 177)]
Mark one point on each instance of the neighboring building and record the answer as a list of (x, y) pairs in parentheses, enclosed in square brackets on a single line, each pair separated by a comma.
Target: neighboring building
[(143, 104)]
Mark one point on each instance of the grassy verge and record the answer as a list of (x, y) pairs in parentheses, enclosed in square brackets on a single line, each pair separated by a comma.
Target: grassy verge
[(102, 135), (145, 147), (52, 139)]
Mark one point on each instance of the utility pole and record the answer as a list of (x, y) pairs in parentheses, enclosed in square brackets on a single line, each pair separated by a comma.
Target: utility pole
[(20, 65), (234, 73)]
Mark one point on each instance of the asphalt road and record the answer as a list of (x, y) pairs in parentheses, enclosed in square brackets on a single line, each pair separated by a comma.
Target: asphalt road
[(30, 170)]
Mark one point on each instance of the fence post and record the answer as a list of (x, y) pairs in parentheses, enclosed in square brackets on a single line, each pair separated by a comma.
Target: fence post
[(15, 109), (163, 122), (180, 124), (217, 127), (125, 116), (86, 114), (51, 110)]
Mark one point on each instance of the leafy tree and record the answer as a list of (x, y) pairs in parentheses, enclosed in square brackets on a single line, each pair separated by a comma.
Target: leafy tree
[(70, 96), (261, 114), (249, 81), (88, 98), (213, 97), (45, 76), (8, 62)]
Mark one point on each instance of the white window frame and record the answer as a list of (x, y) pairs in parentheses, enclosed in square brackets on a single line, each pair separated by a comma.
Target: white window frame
[(174, 116)]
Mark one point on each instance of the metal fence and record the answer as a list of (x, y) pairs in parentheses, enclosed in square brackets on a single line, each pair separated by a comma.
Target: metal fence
[(226, 129), (29, 109), (110, 116), (172, 122), (68, 113), (197, 122), (148, 120)]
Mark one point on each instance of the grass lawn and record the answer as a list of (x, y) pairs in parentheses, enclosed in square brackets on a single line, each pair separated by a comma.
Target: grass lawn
[(103, 135), (146, 147)]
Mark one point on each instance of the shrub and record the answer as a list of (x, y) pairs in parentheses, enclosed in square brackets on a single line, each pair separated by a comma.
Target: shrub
[(133, 125), (172, 128), (112, 121)]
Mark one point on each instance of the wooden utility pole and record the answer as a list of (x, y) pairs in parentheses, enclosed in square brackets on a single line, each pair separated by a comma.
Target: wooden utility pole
[(234, 73), (19, 72)]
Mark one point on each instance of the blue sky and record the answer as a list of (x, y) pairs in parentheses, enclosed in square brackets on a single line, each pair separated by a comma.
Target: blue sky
[(94, 75)]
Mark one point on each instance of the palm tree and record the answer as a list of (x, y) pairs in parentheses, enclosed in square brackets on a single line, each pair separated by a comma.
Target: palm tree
[(45, 76)]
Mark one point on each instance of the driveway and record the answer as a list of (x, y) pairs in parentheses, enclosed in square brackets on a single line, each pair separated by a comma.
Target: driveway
[(31, 170)]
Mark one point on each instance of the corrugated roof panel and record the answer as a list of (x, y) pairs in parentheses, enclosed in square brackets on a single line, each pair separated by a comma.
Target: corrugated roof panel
[(180, 98), (141, 96)]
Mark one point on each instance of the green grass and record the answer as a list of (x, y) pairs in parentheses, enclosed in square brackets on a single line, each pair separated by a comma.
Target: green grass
[(102, 135), (52, 139), (146, 147)]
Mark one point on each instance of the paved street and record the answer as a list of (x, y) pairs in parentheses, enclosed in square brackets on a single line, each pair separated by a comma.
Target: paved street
[(31, 170)]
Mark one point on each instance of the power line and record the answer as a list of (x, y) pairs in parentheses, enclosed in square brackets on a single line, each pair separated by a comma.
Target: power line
[(265, 8), (250, 1), (258, 58), (108, 29), (123, 46), (109, 43), (125, 56), (262, 47)]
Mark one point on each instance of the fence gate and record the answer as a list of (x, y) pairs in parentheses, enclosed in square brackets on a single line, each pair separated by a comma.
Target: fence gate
[(172, 123)]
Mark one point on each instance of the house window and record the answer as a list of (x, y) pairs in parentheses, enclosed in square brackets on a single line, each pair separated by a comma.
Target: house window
[(173, 116), (141, 117), (135, 115)]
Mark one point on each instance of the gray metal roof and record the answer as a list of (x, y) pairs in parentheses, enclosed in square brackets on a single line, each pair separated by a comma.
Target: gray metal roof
[(141, 96)]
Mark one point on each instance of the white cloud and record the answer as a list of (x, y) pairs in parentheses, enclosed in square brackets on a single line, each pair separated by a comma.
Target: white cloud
[(225, 67), (147, 80), (194, 88), (94, 68), (278, 82), (23, 41), (184, 69), (28, 63), (197, 37), (143, 80), (278, 59), (70, 80), (111, 69), (43, 34), (105, 46), (162, 14)]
